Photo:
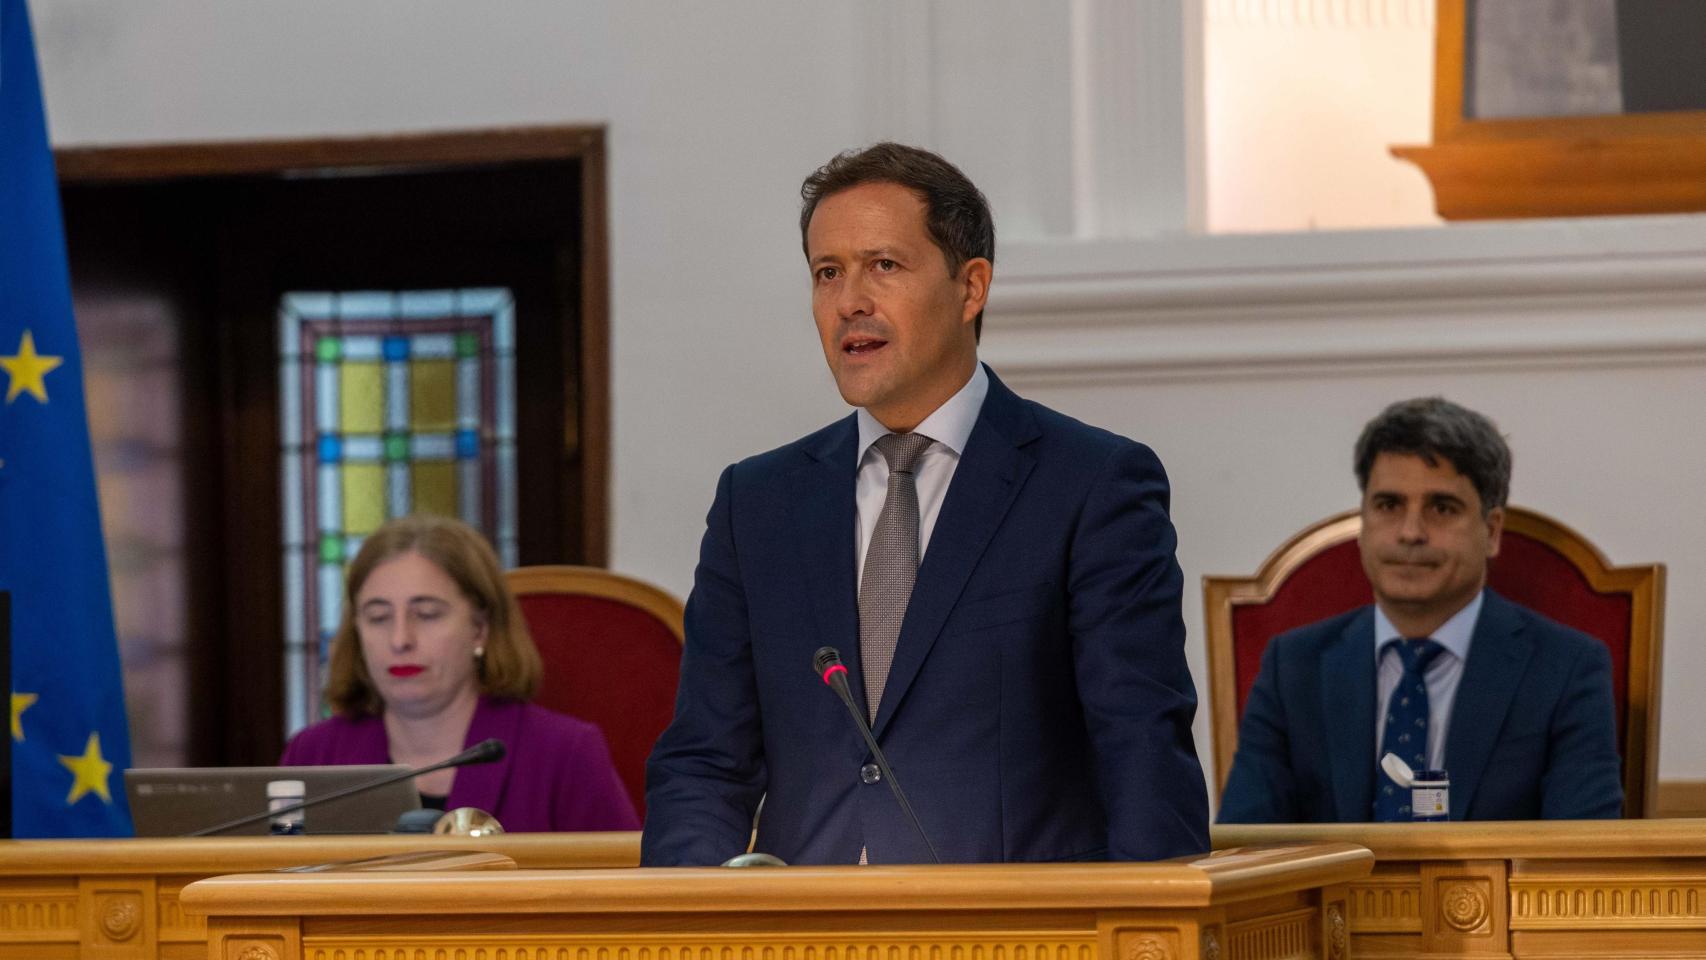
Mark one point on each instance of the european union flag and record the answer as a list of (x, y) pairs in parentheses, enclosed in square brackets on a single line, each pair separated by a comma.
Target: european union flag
[(69, 738)]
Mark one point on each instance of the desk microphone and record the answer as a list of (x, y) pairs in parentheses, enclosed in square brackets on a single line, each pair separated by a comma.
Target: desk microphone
[(827, 664), (486, 751)]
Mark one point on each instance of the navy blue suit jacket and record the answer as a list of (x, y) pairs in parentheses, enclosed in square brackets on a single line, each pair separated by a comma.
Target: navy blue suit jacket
[(1533, 735), (1038, 707)]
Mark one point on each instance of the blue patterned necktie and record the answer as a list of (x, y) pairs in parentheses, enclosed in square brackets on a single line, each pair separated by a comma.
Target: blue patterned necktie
[(1406, 727)]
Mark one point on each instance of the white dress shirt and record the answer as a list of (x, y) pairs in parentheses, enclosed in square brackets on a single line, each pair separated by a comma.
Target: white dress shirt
[(1442, 675), (949, 426)]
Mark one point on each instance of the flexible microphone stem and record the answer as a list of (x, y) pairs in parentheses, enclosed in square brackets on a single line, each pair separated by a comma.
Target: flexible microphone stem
[(486, 751), (828, 665)]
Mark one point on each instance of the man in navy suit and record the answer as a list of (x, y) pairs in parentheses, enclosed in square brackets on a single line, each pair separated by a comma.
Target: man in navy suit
[(1440, 671), (1030, 689)]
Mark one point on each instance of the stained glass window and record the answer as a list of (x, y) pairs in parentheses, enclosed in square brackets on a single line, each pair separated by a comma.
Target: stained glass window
[(392, 403)]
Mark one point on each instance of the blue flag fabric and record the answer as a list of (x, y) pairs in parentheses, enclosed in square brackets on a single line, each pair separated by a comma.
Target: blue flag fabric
[(69, 737)]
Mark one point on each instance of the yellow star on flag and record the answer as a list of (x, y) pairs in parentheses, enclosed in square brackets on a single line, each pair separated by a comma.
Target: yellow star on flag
[(26, 368), (20, 703), (89, 772)]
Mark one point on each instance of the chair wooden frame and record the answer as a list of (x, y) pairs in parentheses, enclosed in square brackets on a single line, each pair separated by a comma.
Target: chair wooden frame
[(598, 582), (1644, 584)]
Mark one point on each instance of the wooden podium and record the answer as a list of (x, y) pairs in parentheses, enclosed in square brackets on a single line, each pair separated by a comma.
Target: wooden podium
[(1603, 889), (118, 899), (1250, 904)]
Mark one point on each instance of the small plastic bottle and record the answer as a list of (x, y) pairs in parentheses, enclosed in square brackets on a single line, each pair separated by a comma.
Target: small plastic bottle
[(283, 793), (1430, 796)]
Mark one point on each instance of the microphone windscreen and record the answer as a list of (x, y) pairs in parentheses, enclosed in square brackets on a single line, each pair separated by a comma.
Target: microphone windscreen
[(487, 751), (825, 658)]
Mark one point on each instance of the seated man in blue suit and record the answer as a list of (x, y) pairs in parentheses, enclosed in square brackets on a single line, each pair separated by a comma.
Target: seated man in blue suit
[(1440, 670), (1000, 577)]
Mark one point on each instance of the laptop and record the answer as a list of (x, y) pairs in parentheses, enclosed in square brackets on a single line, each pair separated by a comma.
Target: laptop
[(174, 801)]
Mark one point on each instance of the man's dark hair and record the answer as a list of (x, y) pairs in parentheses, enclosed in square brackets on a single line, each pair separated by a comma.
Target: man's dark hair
[(956, 214), (1434, 428)]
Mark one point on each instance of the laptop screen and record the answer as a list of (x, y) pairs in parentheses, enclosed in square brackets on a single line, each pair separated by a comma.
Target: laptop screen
[(174, 801)]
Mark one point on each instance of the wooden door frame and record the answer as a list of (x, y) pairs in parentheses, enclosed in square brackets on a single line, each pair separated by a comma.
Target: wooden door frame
[(247, 698), (88, 165)]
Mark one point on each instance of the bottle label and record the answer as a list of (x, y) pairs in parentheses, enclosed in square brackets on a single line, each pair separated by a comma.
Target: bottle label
[(1430, 801)]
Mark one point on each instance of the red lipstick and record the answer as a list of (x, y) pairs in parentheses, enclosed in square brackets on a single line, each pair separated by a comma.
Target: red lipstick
[(404, 670)]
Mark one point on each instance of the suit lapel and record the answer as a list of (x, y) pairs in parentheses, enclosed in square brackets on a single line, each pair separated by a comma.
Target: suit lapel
[(825, 516), (1347, 705), (1498, 656), (482, 785), (991, 471)]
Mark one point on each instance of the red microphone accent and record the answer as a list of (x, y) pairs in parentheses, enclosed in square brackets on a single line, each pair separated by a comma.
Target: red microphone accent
[(832, 668)]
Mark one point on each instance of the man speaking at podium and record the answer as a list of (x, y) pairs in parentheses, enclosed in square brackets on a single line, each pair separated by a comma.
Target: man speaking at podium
[(1000, 577)]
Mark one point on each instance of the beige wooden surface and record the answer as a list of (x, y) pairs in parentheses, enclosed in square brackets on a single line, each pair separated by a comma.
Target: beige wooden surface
[(118, 899), (1559, 889), (1261, 904)]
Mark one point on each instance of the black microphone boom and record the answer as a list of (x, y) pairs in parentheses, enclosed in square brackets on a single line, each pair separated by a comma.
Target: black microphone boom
[(486, 751), (827, 663)]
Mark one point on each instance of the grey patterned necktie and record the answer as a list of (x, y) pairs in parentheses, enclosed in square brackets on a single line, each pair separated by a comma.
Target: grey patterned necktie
[(891, 564)]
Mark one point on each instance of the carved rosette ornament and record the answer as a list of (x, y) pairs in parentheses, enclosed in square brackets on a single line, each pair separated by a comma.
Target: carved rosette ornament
[(258, 952), (1463, 907), (120, 920), (1147, 948), (1338, 934), (1210, 946)]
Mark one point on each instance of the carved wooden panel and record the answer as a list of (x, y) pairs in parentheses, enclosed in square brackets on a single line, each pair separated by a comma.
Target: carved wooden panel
[(1281, 935), (1538, 905), (1147, 945), (1335, 923), (269, 939), (117, 918), (176, 924), (38, 909), (1386, 905), (723, 947), (1465, 908)]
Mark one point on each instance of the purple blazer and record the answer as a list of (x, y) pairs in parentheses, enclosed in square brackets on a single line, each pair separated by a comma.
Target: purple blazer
[(555, 776)]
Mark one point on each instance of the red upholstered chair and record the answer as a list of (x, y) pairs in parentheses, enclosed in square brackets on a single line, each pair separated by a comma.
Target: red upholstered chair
[(1542, 565), (612, 651)]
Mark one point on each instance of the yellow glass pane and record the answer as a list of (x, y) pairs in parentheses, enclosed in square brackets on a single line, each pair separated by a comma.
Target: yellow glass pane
[(434, 487), (432, 395), (364, 497), (361, 397)]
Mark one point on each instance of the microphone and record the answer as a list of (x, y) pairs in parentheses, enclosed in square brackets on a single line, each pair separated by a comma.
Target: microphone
[(827, 664), (486, 751)]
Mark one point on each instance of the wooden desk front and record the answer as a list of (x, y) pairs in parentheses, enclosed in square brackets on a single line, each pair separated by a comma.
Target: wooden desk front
[(1233, 905), (118, 899), (1576, 889)]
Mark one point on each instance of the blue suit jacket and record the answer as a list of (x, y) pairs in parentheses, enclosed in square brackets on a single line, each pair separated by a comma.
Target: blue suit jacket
[(1038, 707), (1533, 735)]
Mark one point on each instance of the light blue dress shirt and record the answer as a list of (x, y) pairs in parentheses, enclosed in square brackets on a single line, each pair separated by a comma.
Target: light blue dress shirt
[(1442, 676)]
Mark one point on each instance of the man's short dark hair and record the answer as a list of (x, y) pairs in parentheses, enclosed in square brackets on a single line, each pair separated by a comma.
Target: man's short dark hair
[(1434, 428), (956, 213)]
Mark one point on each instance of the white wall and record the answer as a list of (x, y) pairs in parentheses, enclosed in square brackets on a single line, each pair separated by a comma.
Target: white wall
[(1248, 362), (1302, 100)]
